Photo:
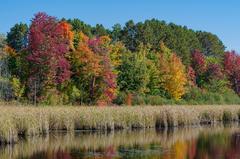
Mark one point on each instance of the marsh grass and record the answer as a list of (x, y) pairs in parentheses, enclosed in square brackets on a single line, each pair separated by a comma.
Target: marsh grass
[(16, 121)]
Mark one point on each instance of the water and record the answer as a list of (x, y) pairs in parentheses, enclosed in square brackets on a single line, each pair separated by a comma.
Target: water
[(188, 143)]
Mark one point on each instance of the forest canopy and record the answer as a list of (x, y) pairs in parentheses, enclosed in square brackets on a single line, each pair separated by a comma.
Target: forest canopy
[(66, 61)]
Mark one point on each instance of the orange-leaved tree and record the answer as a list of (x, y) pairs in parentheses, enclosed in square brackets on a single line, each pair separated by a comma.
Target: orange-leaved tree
[(67, 33), (93, 70), (86, 69), (173, 76)]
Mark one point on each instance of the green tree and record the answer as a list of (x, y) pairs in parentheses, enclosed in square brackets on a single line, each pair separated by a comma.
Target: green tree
[(129, 35), (179, 39), (211, 45), (80, 26), (17, 37), (99, 30), (116, 32), (134, 76)]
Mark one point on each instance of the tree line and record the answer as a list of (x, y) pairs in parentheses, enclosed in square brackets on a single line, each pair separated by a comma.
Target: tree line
[(54, 61)]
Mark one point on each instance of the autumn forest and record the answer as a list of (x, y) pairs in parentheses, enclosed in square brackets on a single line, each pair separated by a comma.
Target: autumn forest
[(68, 62)]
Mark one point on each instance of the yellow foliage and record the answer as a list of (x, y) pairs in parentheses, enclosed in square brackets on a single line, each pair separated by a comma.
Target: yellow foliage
[(180, 148), (117, 50), (173, 74), (105, 40), (18, 90), (82, 37)]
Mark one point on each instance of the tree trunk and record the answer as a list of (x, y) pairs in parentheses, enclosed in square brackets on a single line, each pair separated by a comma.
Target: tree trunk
[(92, 85)]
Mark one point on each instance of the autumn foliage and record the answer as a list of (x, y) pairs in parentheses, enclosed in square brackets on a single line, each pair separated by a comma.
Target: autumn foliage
[(68, 62), (198, 62), (232, 69), (91, 64), (47, 47), (173, 73)]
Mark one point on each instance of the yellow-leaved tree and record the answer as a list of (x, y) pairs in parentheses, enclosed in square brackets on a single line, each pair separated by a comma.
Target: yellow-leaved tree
[(173, 76)]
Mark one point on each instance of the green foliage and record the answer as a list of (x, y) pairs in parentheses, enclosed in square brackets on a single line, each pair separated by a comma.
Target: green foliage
[(73, 94), (52, 97), (179, 39), (133, 72), (17, 37), (80, 26), (116, 32), (99, 30), (211, 44), (200, 97)]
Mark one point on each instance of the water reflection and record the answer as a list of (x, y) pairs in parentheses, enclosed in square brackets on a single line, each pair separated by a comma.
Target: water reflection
[(194, 143)]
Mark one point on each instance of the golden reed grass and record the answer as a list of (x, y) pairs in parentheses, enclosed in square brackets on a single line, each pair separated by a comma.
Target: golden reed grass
[(18, 121)]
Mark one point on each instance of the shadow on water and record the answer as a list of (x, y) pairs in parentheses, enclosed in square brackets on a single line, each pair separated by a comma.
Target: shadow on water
[(212, 142)]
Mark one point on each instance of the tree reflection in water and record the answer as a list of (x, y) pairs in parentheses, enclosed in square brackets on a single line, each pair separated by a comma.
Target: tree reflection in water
[(185, 143)]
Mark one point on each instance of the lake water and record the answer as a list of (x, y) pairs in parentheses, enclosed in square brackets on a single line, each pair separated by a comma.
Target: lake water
[(185, 143)]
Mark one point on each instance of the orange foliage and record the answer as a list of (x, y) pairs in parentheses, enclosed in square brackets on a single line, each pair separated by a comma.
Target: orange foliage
[(87, 58), (67, 32), (129, 99), (91, 60), (10, 51)]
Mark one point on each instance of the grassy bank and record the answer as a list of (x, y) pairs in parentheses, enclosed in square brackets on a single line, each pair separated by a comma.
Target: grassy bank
[(18, 121)]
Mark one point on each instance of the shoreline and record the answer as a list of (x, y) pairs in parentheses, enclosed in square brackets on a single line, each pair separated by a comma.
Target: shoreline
[(17, 121), (100, 141)]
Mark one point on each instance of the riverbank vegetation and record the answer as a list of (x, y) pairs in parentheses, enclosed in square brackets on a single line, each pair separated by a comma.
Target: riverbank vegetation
[(22, 121), (54, 61)]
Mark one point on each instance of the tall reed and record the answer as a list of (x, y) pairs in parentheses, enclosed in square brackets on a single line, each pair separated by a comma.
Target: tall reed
[(18, 121)]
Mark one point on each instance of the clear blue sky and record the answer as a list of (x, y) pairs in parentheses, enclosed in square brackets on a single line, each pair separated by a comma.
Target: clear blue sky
[(218, 16)]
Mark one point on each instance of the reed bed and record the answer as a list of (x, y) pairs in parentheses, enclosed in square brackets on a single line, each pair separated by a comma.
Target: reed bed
[(21, 121)]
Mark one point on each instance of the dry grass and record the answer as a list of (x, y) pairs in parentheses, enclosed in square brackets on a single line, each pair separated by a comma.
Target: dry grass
[(18, 121)]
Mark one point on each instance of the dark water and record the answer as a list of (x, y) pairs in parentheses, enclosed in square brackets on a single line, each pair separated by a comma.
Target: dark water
[(189, 143)]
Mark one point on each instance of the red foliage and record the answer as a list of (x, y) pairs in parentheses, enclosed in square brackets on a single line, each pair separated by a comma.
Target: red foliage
[(48, 46), (232, 69), (92, 61), (109, 78), (198, 62), (191, 76), (214, 71)]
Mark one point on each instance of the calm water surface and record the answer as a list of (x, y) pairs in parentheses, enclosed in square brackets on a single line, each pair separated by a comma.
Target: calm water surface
[(188, 143)]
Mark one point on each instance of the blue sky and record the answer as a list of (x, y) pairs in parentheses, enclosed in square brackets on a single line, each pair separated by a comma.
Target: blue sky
[(218, 16)]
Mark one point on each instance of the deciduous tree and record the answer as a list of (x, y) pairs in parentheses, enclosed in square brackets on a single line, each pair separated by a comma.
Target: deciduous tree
[(48, 46), (172, 73), (232, 69)]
